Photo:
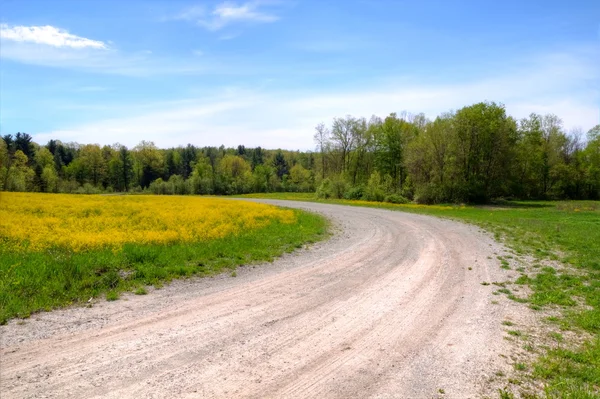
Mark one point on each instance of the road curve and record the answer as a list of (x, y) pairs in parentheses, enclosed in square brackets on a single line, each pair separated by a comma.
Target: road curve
[(386, 308)]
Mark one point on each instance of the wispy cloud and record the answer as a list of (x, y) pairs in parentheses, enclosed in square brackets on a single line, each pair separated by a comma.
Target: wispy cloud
[(229, 13), (105, 61), (48, 35), (287, 118)]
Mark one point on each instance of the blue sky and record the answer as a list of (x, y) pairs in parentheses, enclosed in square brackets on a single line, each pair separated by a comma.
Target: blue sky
[(267, 72)]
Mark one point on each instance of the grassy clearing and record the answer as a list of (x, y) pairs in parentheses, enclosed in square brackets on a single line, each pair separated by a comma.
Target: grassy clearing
[(566, 232), (57, 275)]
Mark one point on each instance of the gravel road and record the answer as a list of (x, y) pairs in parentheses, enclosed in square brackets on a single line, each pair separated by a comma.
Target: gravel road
[(386, 308)]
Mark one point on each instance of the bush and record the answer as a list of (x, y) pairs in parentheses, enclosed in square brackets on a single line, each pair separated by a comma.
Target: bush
[(179, 186), (354, 193), (324, 190), (338, 188), (158, 186), (68, 186), (87, 188), (374, 191), (396, 199), (428, 194), (331, 189)]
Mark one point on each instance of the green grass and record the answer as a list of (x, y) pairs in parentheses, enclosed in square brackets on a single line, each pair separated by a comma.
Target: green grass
[(36, 281), (565, 231), (282, 196), (520, 366)]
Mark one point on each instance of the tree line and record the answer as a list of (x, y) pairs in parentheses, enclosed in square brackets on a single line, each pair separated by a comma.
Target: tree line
[(475, 154), (90, 168)]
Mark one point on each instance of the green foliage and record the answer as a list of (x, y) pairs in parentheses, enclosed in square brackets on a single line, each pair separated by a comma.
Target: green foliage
[(88, 188), (477, 154), (396, 199), (335, 188), (374, 190), (300, 179), (354, 193), (505, 394), (570, 373)]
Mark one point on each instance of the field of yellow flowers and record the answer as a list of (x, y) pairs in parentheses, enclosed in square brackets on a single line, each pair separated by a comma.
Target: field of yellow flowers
[(58, 249), (35, 222)]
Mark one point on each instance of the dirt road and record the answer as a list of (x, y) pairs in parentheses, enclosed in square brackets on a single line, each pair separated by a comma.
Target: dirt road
[(386, 308)]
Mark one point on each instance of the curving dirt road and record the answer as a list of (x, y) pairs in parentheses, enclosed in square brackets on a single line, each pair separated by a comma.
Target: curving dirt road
[(386, 308)]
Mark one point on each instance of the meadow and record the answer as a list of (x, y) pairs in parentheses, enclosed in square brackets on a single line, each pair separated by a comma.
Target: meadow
[(60, 249), (561, 242)]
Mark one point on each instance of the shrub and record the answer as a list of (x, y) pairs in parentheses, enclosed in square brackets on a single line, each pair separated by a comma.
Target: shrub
[(87, 188), (178, 185), (324, 190), (354, 193), (396, 199), (428, 194), (157, 187), (331, 189), (374, 191), (338, 188)]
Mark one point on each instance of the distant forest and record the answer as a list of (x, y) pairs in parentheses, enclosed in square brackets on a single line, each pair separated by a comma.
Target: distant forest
[(474, 155)]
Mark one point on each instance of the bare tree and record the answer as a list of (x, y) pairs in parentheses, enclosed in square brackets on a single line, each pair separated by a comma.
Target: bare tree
[(321, 138), (343, 135)]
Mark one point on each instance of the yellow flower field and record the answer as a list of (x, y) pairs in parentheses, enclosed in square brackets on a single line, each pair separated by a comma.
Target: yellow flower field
[(36, 222)]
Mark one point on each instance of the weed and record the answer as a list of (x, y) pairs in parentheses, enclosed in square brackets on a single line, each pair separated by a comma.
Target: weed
[(517, 299), (556, 336), (520, 366), (112, 295), (505, 394)]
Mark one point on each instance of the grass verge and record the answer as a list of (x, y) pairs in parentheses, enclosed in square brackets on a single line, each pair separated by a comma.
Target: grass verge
[(554, 233), (36, 281)]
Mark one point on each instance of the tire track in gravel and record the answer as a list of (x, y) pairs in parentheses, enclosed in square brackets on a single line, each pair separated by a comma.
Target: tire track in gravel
[(386, 308)]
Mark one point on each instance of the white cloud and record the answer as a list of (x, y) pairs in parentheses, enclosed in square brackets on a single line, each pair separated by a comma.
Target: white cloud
[(228, 13), (109, 61), (48, 35)]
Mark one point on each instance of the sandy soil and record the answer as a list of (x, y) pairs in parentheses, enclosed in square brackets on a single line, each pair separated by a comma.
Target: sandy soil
[(386, 308)]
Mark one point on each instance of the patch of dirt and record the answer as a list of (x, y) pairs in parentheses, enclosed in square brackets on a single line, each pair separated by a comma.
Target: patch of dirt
[(386, 308)]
